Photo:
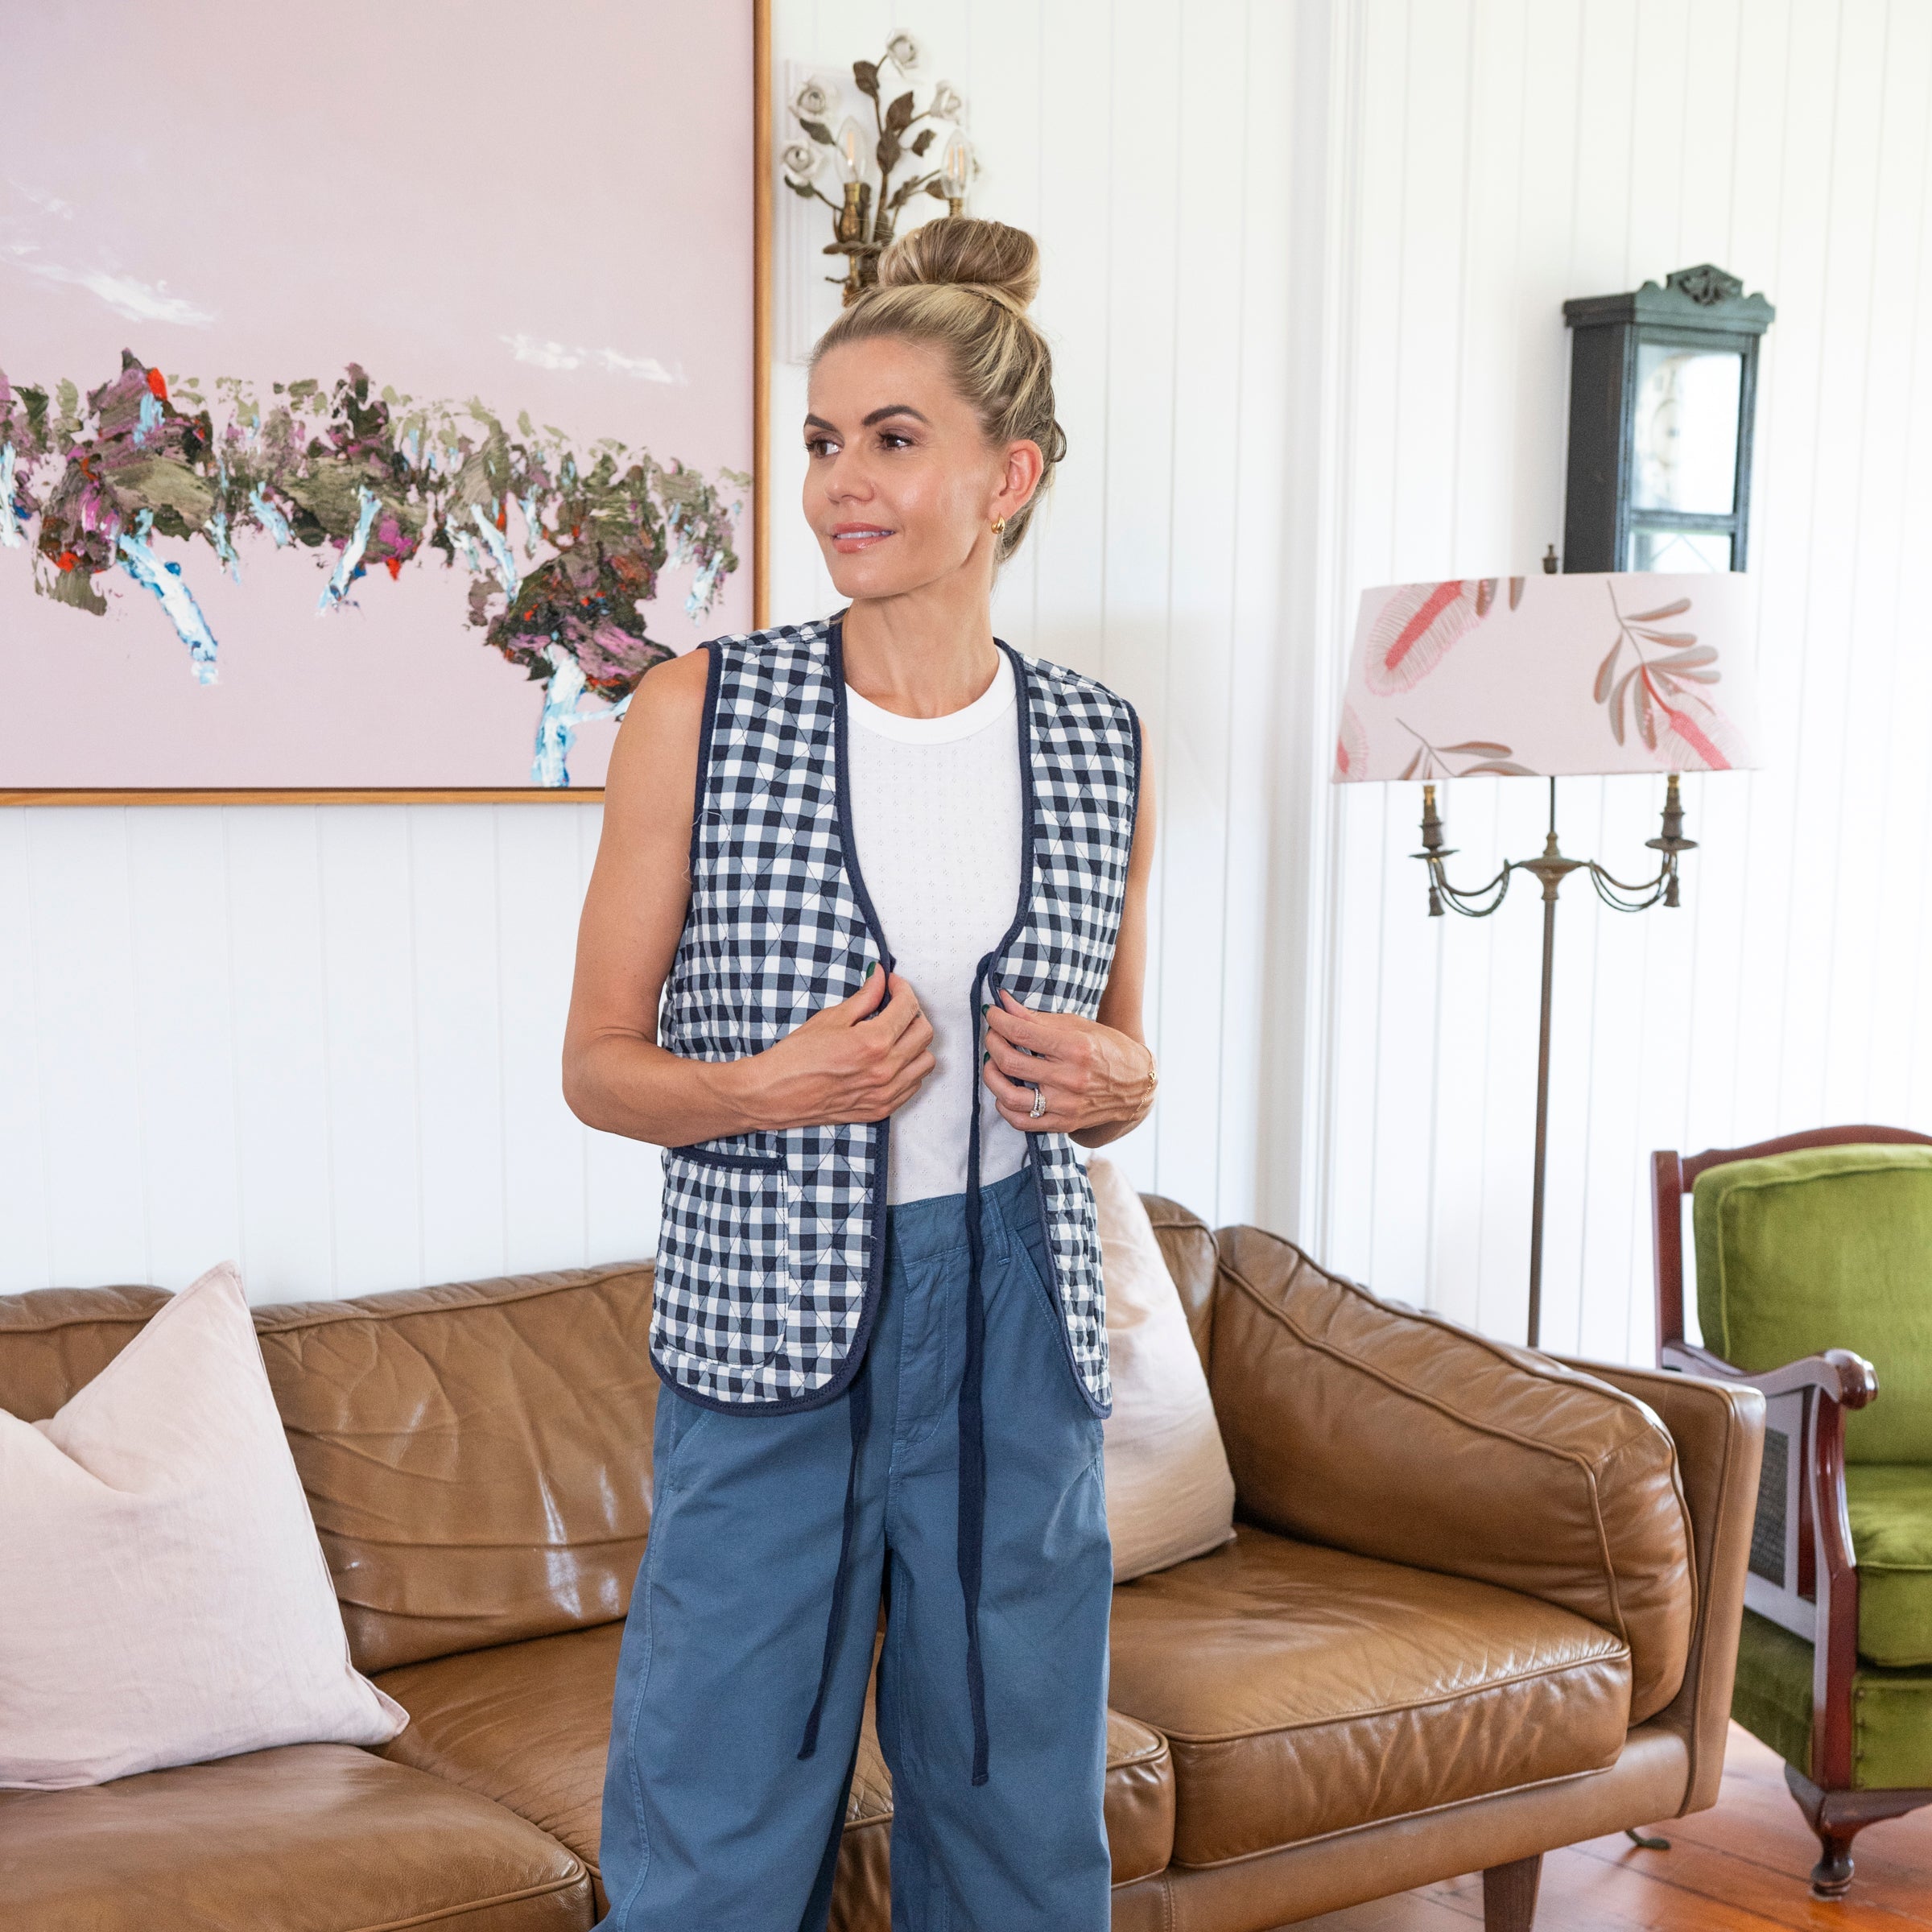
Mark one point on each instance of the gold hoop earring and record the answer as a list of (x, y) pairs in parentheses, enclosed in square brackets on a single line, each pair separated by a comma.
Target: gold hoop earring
[(999, 527)]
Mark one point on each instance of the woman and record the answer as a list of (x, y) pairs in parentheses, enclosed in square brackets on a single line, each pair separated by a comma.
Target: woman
[(889, 878)]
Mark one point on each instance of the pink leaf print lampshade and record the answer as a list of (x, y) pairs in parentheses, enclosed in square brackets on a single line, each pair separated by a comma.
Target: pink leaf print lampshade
[(1549, 677)]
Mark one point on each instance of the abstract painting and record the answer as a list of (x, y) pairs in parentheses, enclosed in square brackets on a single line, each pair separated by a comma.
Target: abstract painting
[(376, 388)]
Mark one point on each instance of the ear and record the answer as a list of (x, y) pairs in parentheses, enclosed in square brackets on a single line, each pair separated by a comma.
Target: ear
[(1019, 479)]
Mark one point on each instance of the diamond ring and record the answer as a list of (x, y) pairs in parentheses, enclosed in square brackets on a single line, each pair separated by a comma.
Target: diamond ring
[(1039, 1104)]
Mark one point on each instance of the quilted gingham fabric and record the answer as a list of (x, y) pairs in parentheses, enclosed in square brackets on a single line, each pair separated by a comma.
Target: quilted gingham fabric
[(772, 1243)]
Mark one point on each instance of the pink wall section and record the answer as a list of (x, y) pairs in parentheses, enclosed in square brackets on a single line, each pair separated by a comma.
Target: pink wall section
[(454, 197)]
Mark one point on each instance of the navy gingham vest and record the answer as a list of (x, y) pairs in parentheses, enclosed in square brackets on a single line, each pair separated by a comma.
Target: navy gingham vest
[(772, 1243)]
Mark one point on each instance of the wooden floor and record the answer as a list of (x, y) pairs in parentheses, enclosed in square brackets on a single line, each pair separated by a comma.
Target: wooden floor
[(1740, 1867)]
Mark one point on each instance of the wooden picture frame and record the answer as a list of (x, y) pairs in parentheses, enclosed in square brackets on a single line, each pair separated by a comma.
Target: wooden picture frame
[(755, 558)]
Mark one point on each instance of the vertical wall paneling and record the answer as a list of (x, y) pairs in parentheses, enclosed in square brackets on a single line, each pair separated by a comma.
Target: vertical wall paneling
[(463, 1131), (23, 1151), (322, 1041), (183, 1018), (1577, 148), (1303, 274), (1151, 149)]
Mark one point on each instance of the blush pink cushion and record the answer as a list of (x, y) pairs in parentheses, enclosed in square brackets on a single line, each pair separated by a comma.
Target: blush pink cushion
[(1169, 1495), (163, 1597)]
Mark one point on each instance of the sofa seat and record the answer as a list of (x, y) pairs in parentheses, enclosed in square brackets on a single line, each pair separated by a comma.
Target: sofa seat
[(308, 1838), (1304, 1690), (529, 1725), (1890, 1506)]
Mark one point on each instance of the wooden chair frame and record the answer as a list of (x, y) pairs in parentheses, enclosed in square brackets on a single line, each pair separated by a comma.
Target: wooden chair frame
[(1803, 1576)]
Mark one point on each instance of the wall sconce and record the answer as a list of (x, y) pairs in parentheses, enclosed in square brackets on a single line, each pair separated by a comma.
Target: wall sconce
[(877, 175), (1663, 392)]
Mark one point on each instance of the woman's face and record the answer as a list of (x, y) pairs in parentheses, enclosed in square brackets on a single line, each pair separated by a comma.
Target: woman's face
[(901, 486)]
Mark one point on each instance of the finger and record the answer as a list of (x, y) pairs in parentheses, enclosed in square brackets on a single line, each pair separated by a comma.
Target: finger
[(1007, 1092), (872, 990), (904, 1008), (913, 1077), (902, 1089), (1011, 1021), (1028, 1122), (1015, 1064), (915, 1040)]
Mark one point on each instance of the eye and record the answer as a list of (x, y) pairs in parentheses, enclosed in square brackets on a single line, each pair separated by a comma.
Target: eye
[(819, 446), (890, 439)]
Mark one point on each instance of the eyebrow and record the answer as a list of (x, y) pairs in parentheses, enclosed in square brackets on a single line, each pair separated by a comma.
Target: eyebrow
[(878, 415)]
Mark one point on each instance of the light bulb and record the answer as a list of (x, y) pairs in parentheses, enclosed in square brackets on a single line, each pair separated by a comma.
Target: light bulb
[(955, 168), (848, 150)]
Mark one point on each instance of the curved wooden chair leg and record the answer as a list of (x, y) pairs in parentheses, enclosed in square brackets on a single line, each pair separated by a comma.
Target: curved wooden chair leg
[(1510, 1895), (1837, 1817)]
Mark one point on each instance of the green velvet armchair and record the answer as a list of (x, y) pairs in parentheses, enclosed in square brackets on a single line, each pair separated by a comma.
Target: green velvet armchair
[(1814, 1285)]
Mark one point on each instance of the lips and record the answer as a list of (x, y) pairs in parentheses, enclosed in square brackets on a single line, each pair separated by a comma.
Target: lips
[(850, 538)]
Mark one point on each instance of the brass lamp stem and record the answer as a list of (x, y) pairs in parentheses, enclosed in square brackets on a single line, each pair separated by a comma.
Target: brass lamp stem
[(1550, 868)]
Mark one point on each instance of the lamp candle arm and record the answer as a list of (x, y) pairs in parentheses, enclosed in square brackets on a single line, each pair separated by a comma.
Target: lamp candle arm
[(1551, 867)]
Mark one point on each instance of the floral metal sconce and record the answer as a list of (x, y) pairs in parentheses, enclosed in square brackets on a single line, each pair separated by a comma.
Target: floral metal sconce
[(872, 196)]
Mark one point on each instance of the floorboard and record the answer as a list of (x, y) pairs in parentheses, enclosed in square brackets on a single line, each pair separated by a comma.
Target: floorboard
[(1743, 1866)]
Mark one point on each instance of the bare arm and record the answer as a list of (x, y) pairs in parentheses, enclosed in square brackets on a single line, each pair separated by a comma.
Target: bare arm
[(615, 1075), (1097, 1074)]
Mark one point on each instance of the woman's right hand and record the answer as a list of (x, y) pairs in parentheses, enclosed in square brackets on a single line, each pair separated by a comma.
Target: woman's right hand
[(857, 1062)]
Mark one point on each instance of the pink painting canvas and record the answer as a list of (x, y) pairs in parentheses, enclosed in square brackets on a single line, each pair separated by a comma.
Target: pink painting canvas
[(376, 385)]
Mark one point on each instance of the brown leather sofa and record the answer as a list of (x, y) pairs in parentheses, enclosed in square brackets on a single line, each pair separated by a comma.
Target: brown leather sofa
[(1480, 1604)]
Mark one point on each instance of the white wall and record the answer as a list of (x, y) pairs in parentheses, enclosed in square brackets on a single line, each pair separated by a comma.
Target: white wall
[(1304, 269), (1494, 157), (322, 1040), (1151, 149)]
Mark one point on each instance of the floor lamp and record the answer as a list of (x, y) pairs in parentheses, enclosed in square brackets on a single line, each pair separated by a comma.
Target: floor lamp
[(1548, 677)]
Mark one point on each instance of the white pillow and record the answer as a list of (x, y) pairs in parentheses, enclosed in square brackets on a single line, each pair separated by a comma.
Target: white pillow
[(1169, 1495), (163, 1598)]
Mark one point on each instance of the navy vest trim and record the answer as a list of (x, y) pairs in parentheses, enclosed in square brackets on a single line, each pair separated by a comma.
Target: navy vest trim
[(773, 1242)]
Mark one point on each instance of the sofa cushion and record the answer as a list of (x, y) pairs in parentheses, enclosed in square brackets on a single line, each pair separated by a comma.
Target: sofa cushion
[(162, 1597), (1169, 1495), (1890, 1505), (1362, 1424), (1827, 1247), (1304, 1690), (307, 1838), (477, 1456), (529, 1725), (55, 1341), (1187, 1247)]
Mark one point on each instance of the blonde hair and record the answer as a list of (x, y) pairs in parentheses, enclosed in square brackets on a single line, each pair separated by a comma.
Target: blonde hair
[(965, 285)]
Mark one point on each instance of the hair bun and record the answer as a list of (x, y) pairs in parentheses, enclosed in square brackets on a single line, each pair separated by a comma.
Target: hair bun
[(1001, 262)]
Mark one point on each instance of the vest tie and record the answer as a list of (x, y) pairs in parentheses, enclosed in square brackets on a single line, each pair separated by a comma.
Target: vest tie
[(972, 1540)]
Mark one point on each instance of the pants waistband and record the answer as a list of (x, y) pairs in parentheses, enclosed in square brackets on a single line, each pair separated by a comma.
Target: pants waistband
[(922, 1230)]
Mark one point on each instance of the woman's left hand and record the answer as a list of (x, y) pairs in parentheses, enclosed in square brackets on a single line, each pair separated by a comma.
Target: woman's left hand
[(1093, 1080)]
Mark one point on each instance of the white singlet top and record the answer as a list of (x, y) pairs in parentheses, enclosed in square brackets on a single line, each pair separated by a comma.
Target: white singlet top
[(936, 809)]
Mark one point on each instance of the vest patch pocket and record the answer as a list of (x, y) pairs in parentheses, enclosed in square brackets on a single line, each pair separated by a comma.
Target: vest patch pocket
[(724, 1255)]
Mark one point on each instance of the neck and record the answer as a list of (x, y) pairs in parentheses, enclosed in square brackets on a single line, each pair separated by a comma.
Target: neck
[(923, 654)]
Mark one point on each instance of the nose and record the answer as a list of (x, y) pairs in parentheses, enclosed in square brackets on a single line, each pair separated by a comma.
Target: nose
[(845, 480)]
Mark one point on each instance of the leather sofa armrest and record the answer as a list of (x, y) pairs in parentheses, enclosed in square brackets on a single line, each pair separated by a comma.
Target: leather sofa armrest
[(1375, 1428), (1719, 1428)]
